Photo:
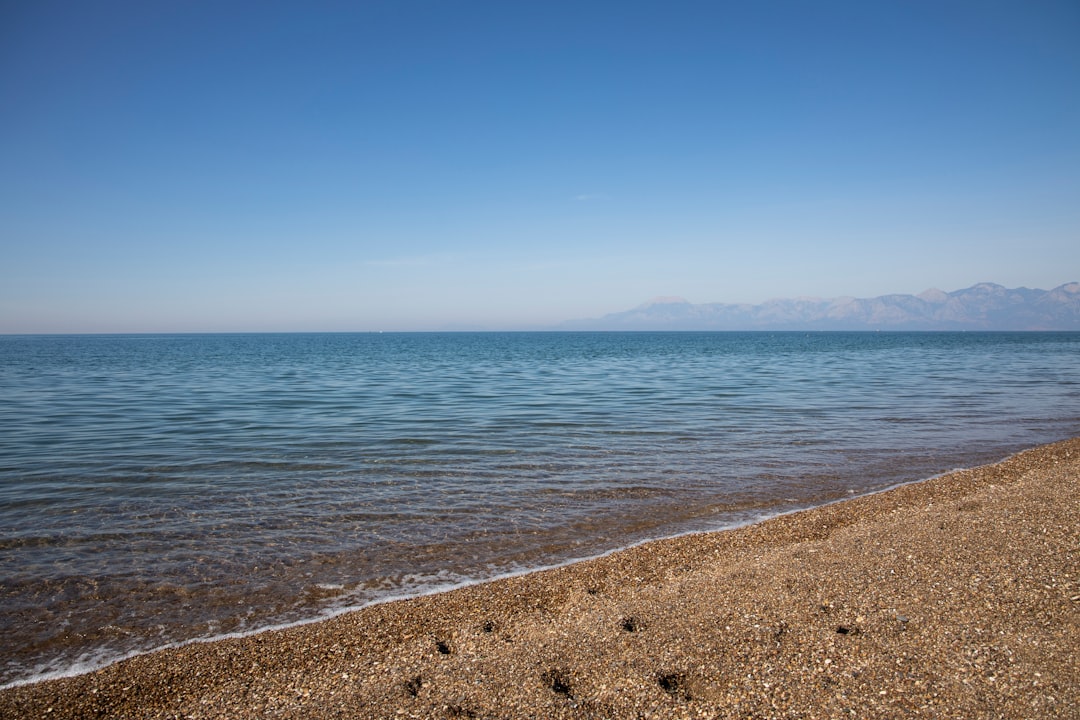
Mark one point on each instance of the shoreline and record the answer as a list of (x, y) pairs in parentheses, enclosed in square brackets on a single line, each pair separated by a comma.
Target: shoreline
[(90, 663), (955, 596)]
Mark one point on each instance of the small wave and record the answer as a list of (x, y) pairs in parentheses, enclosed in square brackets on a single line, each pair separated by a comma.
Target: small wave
[(412, 586)]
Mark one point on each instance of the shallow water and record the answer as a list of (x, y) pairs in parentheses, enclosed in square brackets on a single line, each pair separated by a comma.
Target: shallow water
[(155, 489)]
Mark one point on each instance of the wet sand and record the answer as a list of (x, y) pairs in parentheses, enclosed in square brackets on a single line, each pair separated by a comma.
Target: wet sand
[(957, 597)]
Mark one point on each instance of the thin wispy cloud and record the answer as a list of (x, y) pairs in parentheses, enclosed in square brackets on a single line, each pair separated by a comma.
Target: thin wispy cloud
[(406, 261)]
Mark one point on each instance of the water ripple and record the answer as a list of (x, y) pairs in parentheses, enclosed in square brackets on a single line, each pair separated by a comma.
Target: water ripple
[(157, 488)]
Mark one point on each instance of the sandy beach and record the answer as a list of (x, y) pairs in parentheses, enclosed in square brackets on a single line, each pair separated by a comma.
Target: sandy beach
[(956, 597)]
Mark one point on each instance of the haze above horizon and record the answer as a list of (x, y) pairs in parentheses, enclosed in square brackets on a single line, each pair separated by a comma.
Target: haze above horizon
[(242, 166)]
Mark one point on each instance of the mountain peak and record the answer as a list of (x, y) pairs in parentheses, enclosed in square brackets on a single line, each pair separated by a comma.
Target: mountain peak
[(933, 295), (985, 287)]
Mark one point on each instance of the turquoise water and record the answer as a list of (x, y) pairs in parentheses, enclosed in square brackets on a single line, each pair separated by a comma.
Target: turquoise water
[(155, 489)]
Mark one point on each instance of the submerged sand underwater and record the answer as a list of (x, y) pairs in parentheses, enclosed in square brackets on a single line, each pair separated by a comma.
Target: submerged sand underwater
[(956, 597)]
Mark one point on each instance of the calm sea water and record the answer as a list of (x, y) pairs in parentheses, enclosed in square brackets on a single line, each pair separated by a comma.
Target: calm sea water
[(156, 489)]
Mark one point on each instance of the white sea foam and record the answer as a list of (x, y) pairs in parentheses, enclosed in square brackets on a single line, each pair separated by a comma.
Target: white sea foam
[(418, 586)]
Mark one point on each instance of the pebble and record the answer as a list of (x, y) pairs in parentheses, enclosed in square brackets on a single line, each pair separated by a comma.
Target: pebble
[(724, 625)]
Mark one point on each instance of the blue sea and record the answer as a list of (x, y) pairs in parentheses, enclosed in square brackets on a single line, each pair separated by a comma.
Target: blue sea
[(156, 489)]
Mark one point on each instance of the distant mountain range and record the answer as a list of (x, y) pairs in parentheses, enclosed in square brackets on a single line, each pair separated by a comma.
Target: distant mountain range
[(985, 306)]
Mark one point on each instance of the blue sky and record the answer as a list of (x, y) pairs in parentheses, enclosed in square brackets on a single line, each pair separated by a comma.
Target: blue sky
[(264, 166)]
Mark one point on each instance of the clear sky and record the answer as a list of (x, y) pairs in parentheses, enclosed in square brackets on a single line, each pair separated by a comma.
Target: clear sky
[(404, 165)]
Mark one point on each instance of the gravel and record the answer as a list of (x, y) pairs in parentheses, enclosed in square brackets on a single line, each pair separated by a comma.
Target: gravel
[(955, 597)]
